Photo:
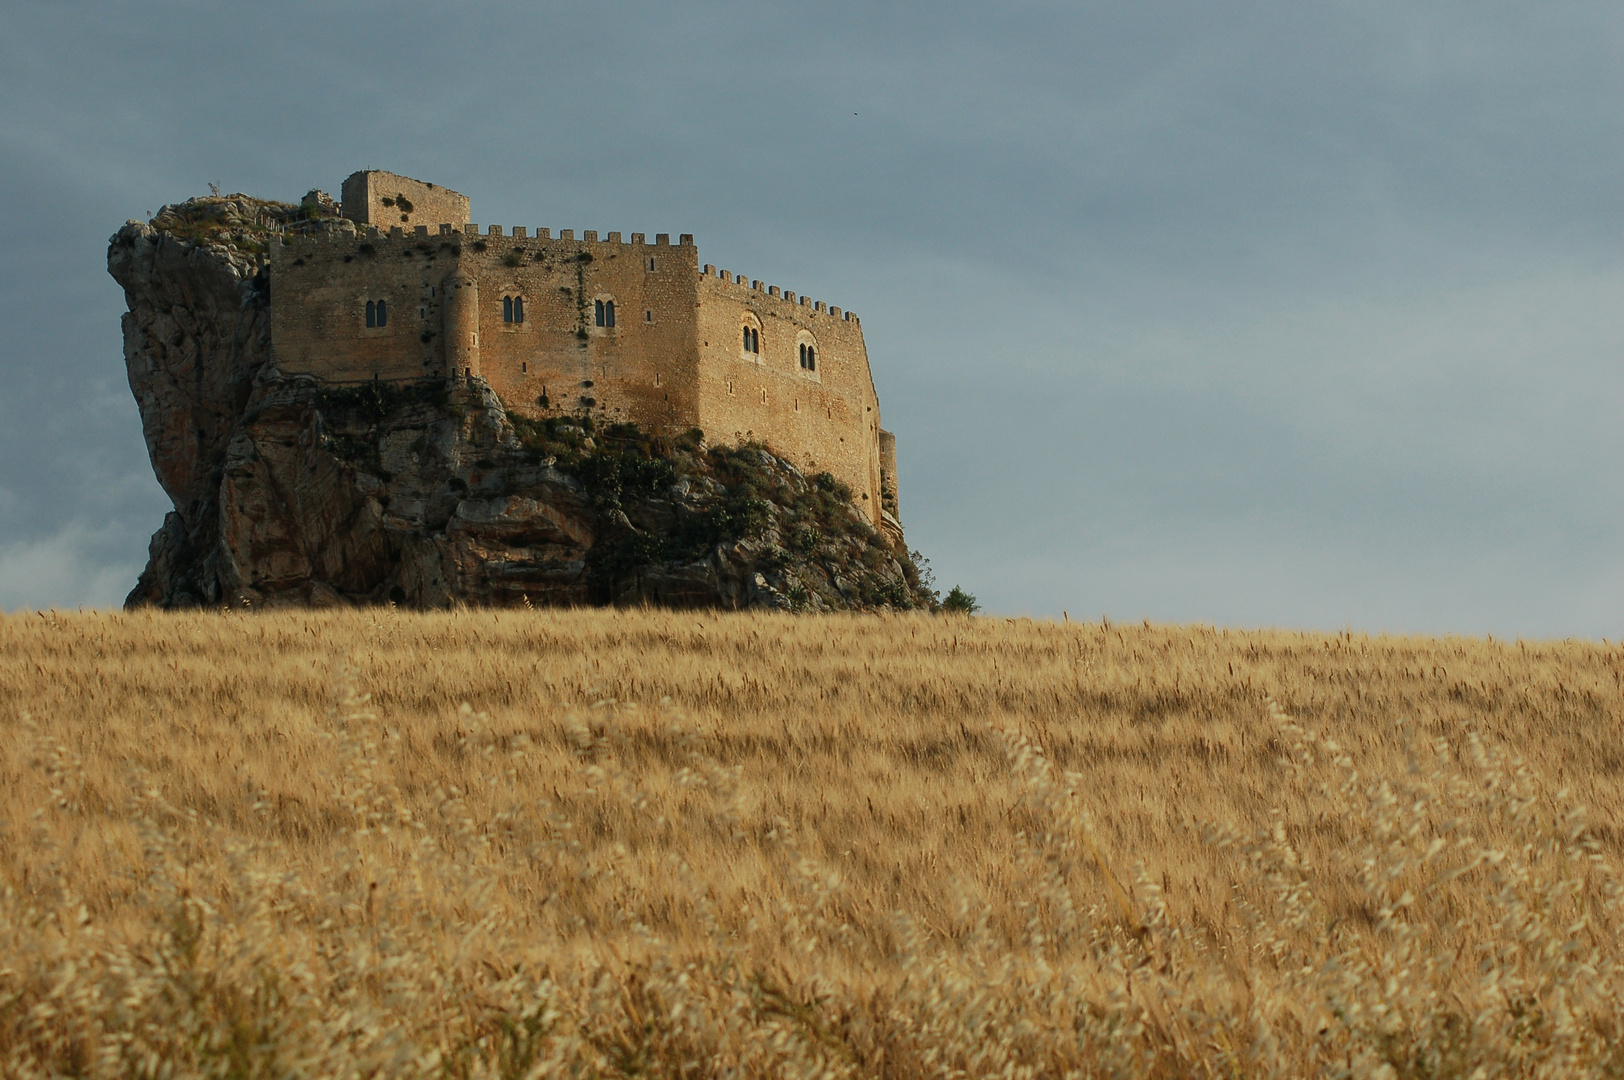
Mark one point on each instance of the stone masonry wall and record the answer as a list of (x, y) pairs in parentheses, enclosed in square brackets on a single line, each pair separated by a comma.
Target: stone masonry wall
[(643, 369), (674, 359), (888, 472), (826, 420), (364, 193), (320, 288)]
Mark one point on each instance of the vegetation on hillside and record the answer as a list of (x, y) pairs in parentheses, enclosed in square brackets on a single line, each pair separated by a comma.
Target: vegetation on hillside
[(679, 844), (241, 221), (759, 497), (654, 504)]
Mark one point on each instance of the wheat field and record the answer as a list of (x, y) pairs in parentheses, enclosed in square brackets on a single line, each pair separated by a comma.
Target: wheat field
[(655, 843)]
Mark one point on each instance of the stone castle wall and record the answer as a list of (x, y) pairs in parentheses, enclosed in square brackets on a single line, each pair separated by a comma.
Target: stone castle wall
[(371, 197), (557, 360), (673, 360), (825, 420)]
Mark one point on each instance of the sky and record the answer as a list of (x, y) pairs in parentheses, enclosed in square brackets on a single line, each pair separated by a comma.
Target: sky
[(1247, 314)]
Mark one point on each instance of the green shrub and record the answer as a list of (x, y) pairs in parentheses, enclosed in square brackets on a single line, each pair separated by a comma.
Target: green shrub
[(806, 540), (371, 402)]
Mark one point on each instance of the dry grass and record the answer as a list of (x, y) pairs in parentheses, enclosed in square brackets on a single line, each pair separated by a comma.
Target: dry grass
[(593, 843)]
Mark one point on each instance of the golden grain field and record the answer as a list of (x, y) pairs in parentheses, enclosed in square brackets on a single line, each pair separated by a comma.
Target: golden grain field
[(591, 843)]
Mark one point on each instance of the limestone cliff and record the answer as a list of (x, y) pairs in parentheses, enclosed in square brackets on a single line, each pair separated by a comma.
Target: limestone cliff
[(430, 494)]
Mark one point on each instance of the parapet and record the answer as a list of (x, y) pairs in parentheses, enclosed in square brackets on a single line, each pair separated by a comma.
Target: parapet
[(394, 231), (366, 203), (773, 292)]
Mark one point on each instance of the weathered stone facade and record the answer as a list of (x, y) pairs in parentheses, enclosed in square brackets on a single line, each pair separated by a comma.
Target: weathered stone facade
[(386, 200), (626, 330)]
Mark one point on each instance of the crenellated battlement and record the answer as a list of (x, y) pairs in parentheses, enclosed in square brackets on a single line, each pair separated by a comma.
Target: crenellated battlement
[(492, 232), (711, 274), (506, 235)]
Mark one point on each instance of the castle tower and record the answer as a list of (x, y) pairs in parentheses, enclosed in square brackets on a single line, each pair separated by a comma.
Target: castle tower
[(461, 323), (386, 200), (891, 498)]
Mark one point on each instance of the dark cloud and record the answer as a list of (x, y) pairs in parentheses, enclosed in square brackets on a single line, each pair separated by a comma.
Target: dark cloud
[(1253, 313)]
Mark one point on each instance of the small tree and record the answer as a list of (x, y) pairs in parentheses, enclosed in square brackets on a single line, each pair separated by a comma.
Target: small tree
[(960, 602)]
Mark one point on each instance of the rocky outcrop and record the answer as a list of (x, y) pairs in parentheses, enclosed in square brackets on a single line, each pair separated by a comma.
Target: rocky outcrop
[(289, 491)]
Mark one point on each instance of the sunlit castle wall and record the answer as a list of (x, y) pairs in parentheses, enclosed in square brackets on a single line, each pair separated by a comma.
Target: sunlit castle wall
[(823, 418), (572, 324), (533, 318), (622, 329)]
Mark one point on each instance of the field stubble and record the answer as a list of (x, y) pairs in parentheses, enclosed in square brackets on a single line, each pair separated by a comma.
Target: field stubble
[(661, 843)]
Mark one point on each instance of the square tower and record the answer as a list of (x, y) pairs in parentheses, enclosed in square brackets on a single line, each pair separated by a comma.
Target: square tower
[(372, 197)]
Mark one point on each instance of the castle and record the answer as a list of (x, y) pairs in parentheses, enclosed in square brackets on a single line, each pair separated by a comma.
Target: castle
[(624, 330)]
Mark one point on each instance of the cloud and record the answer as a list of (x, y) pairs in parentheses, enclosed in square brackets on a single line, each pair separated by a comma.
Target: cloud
[(1259, 312), (72, 568)]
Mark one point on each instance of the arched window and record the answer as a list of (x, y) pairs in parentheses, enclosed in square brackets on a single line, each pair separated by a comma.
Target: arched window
[(513, 309), (806, 348), (372, 314), (603, 313), (752, 340), (507, 309), (518, 309), (377, 313)]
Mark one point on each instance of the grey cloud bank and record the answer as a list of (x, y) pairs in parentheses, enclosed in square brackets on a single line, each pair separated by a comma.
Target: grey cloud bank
[(1252, 314)]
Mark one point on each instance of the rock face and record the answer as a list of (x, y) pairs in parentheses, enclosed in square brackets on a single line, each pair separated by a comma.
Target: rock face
[(289, 491)]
